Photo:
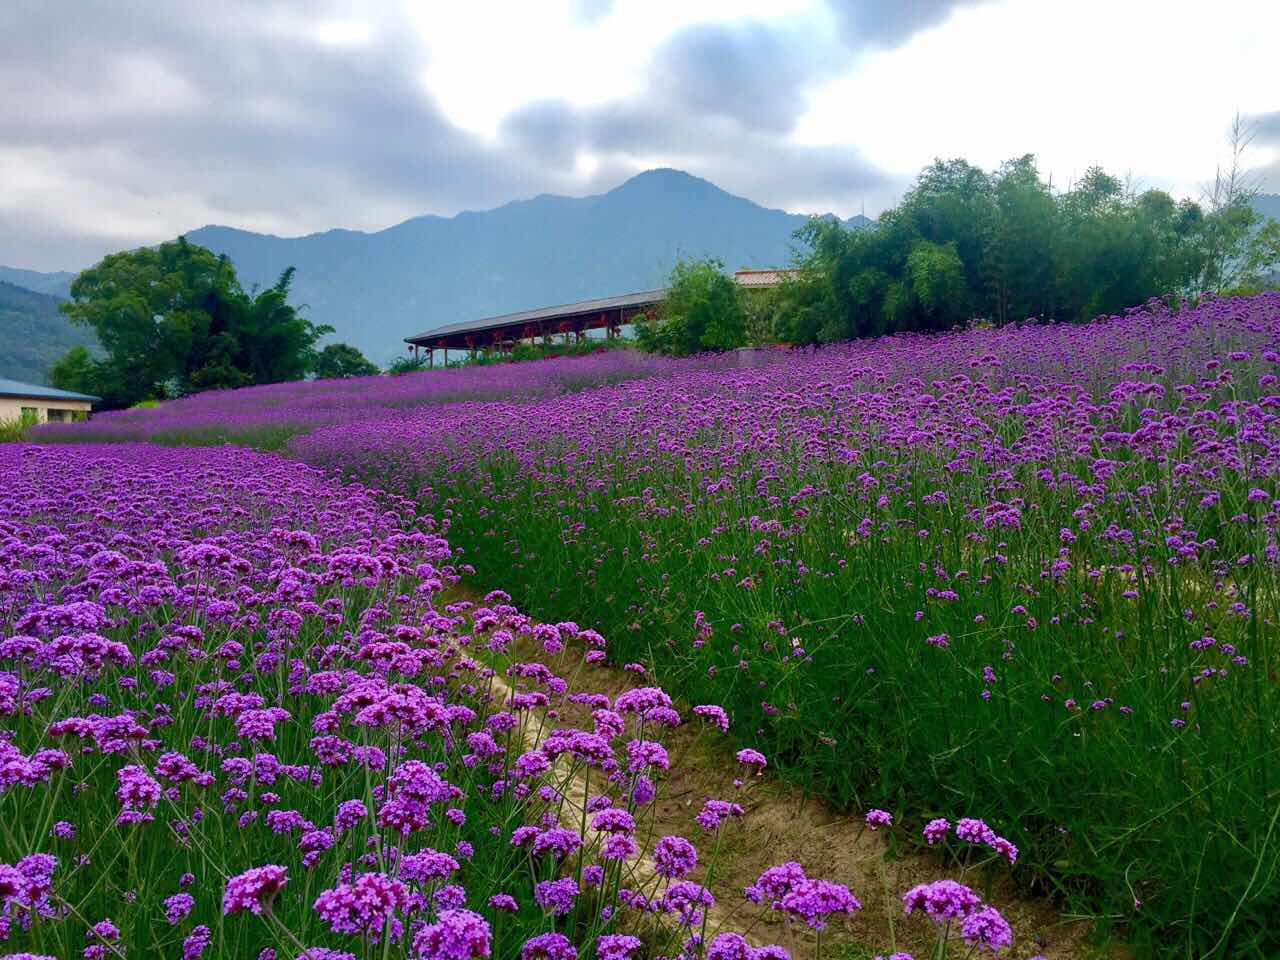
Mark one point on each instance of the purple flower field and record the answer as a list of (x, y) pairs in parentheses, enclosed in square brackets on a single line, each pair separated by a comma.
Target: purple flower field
[(1035, 567), (242, 720), (266, 417), (1028, 574)]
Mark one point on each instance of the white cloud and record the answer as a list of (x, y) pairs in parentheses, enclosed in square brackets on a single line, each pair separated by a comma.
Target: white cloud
[(1146, 88), (487, 59)]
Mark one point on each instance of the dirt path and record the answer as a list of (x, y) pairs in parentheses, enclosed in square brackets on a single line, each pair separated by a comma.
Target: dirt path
[(782, 824)]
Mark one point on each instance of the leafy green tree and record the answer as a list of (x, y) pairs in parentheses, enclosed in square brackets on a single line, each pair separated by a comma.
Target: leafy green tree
[(1018, 260), (175, 318), (77, 370), (341, 360), (952, 202), (276, 342), (1005, 246), (703, 311), (937, 291)]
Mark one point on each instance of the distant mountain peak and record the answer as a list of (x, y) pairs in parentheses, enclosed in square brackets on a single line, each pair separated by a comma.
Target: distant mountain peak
[(377, 288), (664, 175)]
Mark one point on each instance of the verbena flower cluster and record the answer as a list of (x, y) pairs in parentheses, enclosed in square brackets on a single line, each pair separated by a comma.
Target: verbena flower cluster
[(1036, 565), (240, 719), (266, 416)]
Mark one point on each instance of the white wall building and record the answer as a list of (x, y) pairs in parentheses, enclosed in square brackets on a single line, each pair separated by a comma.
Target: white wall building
[(42, 404)]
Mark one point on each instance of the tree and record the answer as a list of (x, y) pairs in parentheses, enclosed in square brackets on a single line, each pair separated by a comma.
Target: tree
[(936, 288), (952, 202), (1004, 245), (341, 360), (276, 342), (1018, 261), (77, 370), (174, 319), (702, 311)]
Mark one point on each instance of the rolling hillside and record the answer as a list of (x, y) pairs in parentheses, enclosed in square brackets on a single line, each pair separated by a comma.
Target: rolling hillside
[(33, 334)]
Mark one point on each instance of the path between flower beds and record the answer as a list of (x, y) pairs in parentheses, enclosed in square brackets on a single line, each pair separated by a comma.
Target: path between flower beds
[(783, 824)]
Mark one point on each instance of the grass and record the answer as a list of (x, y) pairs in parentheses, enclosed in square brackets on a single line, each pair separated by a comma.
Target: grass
[(17, 429)]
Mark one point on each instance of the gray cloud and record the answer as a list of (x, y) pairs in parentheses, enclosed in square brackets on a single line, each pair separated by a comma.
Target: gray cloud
[(150, 113), (1266, 128), (888, 23), (751, 72), (128, 121), (1265, 172), (718, 101)]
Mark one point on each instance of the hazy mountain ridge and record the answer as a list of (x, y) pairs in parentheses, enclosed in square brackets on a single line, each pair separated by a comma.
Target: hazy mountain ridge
[(33, 334), (56, 284)]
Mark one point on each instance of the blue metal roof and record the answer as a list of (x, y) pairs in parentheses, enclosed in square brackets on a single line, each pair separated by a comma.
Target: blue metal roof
[(16, 388)]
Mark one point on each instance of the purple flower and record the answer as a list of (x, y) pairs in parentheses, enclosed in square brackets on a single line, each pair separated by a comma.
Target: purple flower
[(713, 714), (644, 754), (644, 791), (1006, 849), (178, 906), (254, 889), (426, 865), (556, 842), (878, 818), (504, 902), (615, 946), (974, 831), (729, 946), (941, 900), (774, 884), (548, 946), (688, 900), (935, 830), (987, 930), (456, 935), (363, 906), (137, 788), (449, 897), (613, 820), (715, 812), (814, 900), (196, 942), (674, 857), (350, 812), (556, 896)]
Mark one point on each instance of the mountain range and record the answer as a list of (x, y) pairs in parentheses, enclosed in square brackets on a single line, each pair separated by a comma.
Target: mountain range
[(378, 287), (33, 334), (56, 284)]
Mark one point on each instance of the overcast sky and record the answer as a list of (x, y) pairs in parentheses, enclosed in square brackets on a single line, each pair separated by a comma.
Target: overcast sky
[(125, 122)]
